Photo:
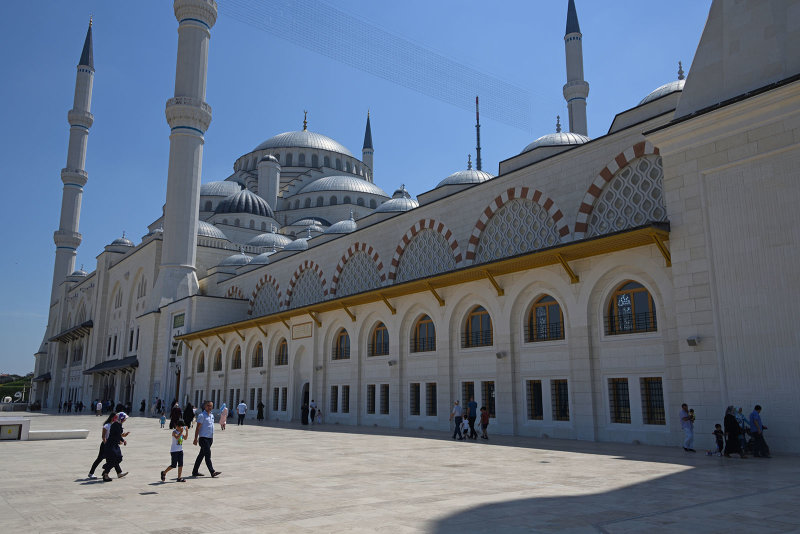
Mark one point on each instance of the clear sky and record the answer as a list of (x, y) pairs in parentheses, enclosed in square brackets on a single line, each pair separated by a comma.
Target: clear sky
[(259, 85)]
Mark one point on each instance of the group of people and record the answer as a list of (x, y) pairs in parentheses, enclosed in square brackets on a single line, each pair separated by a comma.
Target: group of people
[(731, 436), (69, 406), (114, 435), (310, 412), (465, 420)]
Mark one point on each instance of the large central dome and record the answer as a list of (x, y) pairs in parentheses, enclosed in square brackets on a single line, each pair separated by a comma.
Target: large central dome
[(304, 139)]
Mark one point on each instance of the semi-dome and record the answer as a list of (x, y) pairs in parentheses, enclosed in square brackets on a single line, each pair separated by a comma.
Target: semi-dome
[(301, 243), (304, 139), (79, 272), (220, 189), (310, 221), (261, 259), (205, 229), (343, 183), (270, 240), (343, 227), (401, 201), (469, 176), (122, 242), (664, 90), (236, 260), (245, 201)]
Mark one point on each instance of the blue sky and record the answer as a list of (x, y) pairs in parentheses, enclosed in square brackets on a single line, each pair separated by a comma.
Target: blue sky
[(259, 85)]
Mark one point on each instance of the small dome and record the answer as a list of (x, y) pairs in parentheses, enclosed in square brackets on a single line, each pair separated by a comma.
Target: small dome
[(304, 139), (205, 229), (557, 139), (315, 228), (122, 242), (262, 259), (343, 227), (311, 221), (343, 183), (236, 260), (270, 240), (664, 90), (269, 157), (245, 201), (79, 272), (401, 201), (301, 243), (469, 176), (220, 189)]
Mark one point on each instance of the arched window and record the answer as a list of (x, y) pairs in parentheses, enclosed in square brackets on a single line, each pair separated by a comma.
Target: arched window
[(118, 299), (141, 290), (478, 330), (236, 363), (277, 156), (314, 160), (307, 203), (296, 204), (218, 361), (320, 202), (545, 321), (631, 310), (301, 160), (341, 345), (347, 200), (338, 164), (347, 166), (252, 225), (201, 363), (333, 201), (237, 222), (360, 201), (372, 203), (224, 221), (379, 341), (289, 159), (424, 336), (258, 356), (208, 205), (263, 227), (326, 161), (282, 354)]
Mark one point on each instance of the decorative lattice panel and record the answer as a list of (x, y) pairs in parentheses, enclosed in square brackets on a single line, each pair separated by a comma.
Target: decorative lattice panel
[(359, 274), (519, 226), (428, 253), (307, 290), (632, 198), (267, 301)]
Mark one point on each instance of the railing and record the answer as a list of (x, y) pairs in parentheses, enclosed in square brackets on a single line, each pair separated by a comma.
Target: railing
[(425, 344), (482, 338), (544, 332), (630, 323), (340, 353), (378, 349)]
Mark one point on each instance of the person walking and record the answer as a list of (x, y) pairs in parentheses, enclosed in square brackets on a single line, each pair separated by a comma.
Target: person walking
[(731, 428), (204, 434), (188, 415), (484, 422), (757, 428), (472, 414), (260, 414), (179, 435), (456, 414), (116, 435), (142, 407), (241, 410), (687, 425), (174, 415), (313, 410), (304, 414), (98, 408), (223, 416), (101, 455)]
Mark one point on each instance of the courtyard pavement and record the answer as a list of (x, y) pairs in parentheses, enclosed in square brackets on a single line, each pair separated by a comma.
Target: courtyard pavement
[(283, 477)]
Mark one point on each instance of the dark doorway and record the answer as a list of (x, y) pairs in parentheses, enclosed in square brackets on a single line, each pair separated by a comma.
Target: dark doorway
[(305, 393)]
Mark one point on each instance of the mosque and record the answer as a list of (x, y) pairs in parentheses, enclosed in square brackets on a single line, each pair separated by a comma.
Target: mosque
[(584, 292)]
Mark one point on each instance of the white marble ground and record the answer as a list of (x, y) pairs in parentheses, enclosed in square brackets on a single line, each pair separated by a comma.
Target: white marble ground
[(288, 478)]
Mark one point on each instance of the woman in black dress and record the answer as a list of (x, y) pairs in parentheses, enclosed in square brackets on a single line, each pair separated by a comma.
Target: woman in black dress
[(304, 414), (116, 435), (732, 430), (188, 415)]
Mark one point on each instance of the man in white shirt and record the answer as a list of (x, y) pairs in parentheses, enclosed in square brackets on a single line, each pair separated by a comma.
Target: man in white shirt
[(204, 434), (241, 410)]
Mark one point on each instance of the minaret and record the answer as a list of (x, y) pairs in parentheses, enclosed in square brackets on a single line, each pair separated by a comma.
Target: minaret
[(73, 175), (576, 89), (367, 151), (478, 136), (188, 116)]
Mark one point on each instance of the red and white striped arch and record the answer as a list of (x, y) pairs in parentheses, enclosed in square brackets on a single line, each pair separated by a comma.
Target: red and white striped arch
[(352, 250), (424, 224)]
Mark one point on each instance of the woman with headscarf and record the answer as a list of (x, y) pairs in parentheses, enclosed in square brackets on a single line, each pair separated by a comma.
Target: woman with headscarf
[(116, 435), (174, 415), (223, 416), (188, 415), (732, 430), (101, 455)]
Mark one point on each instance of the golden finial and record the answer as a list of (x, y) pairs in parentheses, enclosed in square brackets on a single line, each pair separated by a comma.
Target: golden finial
[(305, 120), (469, 161), (558, 123), (90, 20), (367, 112), (680, 71)]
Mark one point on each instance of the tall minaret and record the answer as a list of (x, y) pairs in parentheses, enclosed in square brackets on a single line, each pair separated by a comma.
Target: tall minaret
[(478, 136), (73, 175), (188, 116), (576, 89), (367, 151)]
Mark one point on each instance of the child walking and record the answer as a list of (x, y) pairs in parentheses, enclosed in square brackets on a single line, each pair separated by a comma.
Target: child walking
[(179, 434), (163, 420), (484, 422), (719, 435)]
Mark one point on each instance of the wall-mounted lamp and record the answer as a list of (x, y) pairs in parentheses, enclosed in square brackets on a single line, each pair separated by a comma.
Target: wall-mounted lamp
[(318, 368), (262, 373), (392, 362), (500, 355), (221, 375), (693, 341)]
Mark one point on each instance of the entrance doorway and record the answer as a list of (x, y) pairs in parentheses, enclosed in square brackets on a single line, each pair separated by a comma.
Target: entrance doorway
[(305, 395)]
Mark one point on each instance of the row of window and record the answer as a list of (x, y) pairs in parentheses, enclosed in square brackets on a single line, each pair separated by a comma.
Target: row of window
[(334, 201), (301, 162)]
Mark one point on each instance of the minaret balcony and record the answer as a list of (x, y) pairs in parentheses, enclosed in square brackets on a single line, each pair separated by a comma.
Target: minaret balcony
[(65, 238), (576, 89), (188, 112), (204, 10), (74, 176), (77, 117)]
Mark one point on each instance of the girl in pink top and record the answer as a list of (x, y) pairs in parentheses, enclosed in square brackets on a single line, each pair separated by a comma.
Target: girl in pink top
[(223, 416)]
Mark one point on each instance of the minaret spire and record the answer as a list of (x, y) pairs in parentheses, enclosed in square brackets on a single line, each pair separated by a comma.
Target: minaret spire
[(67, 238), (576, 89), (478, 135), (368, 150)]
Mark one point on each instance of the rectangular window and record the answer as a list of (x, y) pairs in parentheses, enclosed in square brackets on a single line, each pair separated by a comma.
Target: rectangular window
[(252, 398), (430, 399), (258, 395), (178, 320), (137, 339), (115, 345), (559, 397), (232, 405), (467, 392), (130, 341), (284, 396), (238, 397), (619, 400), (384, 399), (413, 398), (334, 399), (487, 396), (535, 409), (108, 351), (276, 394), (345, 399), (652, 401), (371, 398)]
